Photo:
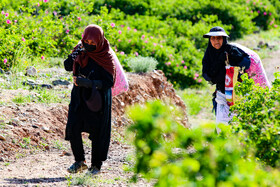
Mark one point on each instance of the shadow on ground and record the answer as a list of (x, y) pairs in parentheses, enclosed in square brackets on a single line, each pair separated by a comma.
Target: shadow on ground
[(35, 180)]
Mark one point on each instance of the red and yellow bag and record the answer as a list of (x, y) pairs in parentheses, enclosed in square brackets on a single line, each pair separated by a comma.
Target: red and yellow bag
[(230, 81)]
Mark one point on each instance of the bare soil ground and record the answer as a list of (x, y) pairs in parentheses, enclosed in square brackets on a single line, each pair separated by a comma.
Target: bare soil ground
[(33, 151)]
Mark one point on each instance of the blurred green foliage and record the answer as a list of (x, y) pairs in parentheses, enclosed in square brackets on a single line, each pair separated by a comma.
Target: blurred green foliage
[(173, 155), (257, 118)]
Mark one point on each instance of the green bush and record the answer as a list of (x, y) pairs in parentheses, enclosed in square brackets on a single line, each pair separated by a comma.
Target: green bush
[(177, 56), (49, 33), (265, 13), (240, 14), (175, 156), (169, 31), (142, 64), (258, 119)]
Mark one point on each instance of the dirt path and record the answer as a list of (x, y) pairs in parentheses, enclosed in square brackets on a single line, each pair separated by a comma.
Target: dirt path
[(49, 169)]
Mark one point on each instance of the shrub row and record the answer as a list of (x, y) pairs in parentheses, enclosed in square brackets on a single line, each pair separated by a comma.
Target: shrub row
[(240, 14), (171, 32)]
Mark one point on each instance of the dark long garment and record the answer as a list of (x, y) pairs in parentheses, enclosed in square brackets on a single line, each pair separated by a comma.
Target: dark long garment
[(213, 64), (81, 119)]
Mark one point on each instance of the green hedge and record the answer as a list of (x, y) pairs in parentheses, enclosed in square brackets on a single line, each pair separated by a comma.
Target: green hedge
[(242, 15), (169, 31), (257, 119)]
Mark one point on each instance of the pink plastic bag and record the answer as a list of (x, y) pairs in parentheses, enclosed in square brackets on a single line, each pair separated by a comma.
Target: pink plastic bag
[(121, 83), (256, 70)]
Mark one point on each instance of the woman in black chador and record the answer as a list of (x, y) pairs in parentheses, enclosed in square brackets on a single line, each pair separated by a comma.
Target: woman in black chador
[(93, 73), (213, 62)]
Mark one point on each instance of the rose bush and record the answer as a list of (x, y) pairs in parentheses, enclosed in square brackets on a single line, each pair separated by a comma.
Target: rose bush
[(169, 31)]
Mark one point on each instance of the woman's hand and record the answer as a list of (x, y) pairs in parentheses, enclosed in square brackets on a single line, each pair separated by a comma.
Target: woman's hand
[(76, 52), (82, 82), (75, 80)]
